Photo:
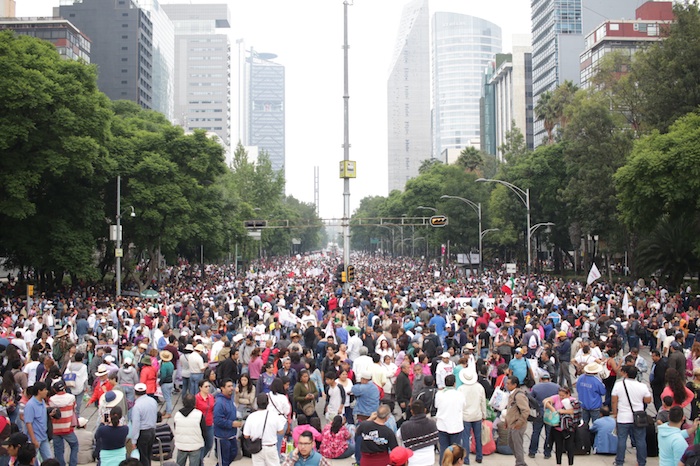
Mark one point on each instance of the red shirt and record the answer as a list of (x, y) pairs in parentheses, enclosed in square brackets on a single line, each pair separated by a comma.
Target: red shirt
[(206, 406), (149, 377)]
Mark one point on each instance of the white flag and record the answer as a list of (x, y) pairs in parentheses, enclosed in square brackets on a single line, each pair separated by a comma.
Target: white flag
[(626, 304), (593, 275)]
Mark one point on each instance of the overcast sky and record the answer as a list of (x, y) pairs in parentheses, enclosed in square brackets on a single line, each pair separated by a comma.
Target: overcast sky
[(307, 36)]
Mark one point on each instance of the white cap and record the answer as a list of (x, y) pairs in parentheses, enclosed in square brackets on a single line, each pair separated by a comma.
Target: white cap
[(445, 355), (140, 388)]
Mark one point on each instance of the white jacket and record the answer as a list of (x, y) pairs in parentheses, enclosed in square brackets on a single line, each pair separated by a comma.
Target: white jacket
[(188, 431), (475, 406)]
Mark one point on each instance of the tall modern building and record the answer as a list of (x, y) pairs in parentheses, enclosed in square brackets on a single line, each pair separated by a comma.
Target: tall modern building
[(265, 106), (69, 41), (512, 87), (163, 59), (408, 96), (202, 68), (7, 8), (122, 46), (651, 24), (558, 28), (462, 48)]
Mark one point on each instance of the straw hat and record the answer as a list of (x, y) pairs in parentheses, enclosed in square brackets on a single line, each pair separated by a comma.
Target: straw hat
[(593, 368), (200, 348), (166, 355), (101, 370), (468, 376)]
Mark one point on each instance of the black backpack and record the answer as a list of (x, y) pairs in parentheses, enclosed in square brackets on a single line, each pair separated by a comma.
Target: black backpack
[(427, 396)]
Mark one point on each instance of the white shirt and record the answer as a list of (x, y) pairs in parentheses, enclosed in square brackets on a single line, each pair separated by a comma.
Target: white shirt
[(334, 401), (30, 370), (450, 404), (441, 371), (253, 426), (637, 391), (354, 345)]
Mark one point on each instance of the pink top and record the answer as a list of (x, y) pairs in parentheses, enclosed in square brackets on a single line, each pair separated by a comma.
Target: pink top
[(333, 445), (689, 395), (255, 367)]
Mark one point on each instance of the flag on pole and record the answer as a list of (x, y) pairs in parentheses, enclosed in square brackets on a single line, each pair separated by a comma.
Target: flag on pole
[(509, 286), (626, 305), (593, 275)]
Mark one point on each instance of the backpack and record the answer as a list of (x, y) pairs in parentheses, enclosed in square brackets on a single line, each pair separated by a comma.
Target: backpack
[(381, 391), (569, 422), (427, 396), (536, 412)]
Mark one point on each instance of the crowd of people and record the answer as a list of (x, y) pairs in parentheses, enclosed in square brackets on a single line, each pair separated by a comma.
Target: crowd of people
[(286, 366)]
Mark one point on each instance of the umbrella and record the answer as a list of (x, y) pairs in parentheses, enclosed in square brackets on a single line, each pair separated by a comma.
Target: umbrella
[(149, 293)]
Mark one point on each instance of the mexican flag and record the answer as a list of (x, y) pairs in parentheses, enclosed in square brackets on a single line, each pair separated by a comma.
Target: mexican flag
[(509, 286)]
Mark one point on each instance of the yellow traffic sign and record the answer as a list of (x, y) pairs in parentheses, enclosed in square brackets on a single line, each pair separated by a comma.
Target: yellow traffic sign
[(438, 221)]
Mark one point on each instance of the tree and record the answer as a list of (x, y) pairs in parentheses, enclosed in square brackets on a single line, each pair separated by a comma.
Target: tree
[(545, 110), (427, 164), (562, 97), (470, 159), (667, 72), (514, 146), (54, 164)]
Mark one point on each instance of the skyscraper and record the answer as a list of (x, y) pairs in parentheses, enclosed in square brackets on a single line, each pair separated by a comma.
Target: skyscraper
[(202, 68), (264, 106), (408, 96), (462, 48), (558, 28), (69, 41), (122, 46), (7, 8)]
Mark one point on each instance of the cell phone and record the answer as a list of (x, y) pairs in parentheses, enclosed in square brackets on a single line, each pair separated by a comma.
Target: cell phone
[(106, 418)]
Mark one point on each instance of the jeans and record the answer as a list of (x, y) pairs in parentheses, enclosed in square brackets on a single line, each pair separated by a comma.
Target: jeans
[(280, 437), (468, 428), (44, 451), (185, 385), (349, 451), (78, 404), (167, 389), (194, 383), (208, 443), (445, 440), (565, 374), (590, 415), (183, 456), (535, 439), (129, 394), (633, 341), (639, 435), (58, 448)]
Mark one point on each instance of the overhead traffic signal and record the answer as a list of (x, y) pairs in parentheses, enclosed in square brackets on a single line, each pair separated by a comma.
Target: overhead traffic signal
[(351, 273), (340, 273), (438, 221), (343, 277)]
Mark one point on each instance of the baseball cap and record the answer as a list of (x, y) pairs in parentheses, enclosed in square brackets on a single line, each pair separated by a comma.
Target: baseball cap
[(140, 388), (399, 456), (18, 438), (59, 385), (445, 355)]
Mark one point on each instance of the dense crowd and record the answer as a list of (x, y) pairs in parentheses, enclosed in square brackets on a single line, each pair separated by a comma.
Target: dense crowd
[(287, 366)]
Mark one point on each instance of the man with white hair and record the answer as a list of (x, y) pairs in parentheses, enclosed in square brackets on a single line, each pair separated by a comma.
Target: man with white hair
[(363, 362)]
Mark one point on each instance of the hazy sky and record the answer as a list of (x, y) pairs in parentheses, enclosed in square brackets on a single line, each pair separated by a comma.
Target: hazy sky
[(307, 36)]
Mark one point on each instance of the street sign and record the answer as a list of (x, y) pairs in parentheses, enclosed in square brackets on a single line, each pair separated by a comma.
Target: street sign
[(118, 252), (511, 267), (255, 234), (255, 223), (438, 221)]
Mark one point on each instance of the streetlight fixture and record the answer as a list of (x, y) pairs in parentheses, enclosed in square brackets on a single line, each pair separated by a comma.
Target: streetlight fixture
[(118, 237), (427, 208), (392, 237), (524, 196), (537, 225), (477, 209)]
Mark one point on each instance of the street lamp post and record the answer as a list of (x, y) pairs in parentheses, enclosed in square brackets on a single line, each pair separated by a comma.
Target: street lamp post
[(118, 239), (392, 237), (477, 209), (524, 196), (537, 225)]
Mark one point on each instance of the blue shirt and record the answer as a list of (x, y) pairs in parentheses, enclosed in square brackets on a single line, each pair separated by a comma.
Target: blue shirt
[(439, 323), (341, 335), (225, 413), (543, 390), (590, 389), (366, 398), (144, 416), (605, 441), (519, 368), (35, 413)]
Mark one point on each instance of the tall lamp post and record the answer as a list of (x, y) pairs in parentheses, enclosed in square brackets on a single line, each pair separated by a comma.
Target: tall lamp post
[(118, 236), (477, 209), (434, 210), (392, 237), (524, 196), (534, 227)]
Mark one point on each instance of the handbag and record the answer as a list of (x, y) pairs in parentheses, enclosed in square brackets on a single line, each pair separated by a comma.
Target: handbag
[(255, 446), (639, 418), (499, 400), (551, 418), (69, 378), (309, 408)]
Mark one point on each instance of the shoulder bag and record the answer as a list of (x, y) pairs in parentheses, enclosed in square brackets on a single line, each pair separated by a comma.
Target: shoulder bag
[(639, 418), (255, 446)]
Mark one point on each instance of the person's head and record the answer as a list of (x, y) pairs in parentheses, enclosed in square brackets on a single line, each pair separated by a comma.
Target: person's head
[(306, 443), (655, 355), (227, 387), (518, 353), (564, 392), (244, 380), (675, 415), (512, 383), (453, 455), (188, 401), (115, 415), (383, 413), (40, 390), (330, 378), (674, 380), (14, 442), (131, 462), (262, 401), (277, 386), (630, 371), (604, 411), (269, 368), (337, 423), (450, 380), (417, 407), (26, 454), (429, 380), (667, 401)]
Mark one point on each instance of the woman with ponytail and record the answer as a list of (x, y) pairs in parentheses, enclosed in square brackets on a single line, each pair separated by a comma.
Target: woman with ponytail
[(337, 442), (110, 440), (453, 456)]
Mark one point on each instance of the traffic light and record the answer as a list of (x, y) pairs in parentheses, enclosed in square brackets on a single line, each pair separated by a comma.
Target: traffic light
[(351, 273), (255, 223), (340, 273), (438, 221), (343, 277)]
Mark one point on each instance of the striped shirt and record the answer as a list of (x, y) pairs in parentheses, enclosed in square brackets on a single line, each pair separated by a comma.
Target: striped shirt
[(65, 402)]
